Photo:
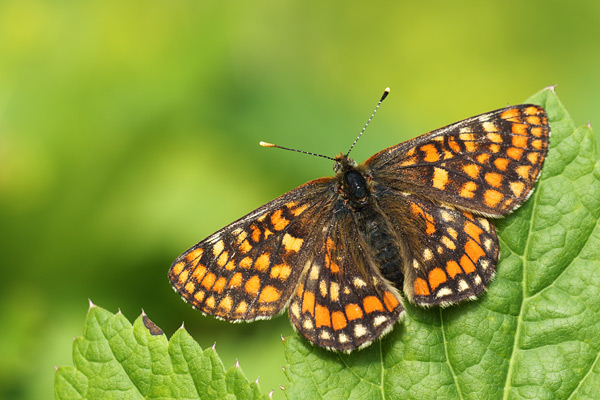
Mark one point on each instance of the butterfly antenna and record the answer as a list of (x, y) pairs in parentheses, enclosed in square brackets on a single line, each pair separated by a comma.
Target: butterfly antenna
[(383, 96), (265, 144)]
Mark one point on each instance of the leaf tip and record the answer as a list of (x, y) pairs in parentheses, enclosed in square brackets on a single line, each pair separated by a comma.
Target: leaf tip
[(143, 313), (551, 88), (282, 387), (182, 326), (271, 394), (91, 304), (214, 346), (282, 338), (119, 311), (257, 378), (237, 363)]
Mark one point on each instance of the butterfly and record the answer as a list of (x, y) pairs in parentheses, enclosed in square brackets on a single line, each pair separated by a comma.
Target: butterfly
[(341, 252)]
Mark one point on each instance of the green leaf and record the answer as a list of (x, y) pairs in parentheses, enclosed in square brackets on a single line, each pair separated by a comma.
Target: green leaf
[(535, 334), (115, 360)]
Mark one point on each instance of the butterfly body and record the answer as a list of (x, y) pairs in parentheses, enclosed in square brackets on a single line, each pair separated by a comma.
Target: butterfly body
[(341, 252)]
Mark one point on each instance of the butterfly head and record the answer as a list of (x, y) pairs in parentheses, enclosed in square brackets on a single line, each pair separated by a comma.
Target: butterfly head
[(343, 163)]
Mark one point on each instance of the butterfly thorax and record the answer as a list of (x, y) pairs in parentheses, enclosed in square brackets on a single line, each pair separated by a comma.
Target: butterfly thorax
[(372, 224)]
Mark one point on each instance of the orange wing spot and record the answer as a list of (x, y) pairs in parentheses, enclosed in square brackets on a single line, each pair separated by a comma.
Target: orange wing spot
[(517, 188), (511, 115), (226, 304), (473, 231), (489, 127), (268, 233), (470, 146), (338, 320), (537, 131), (266, 309), (291, 243), (430, 228), (192, 255), (533, 157), (183, 276), (177, 268), (519, 129), (335, 268), (408, 162), (322, 317), (492, 197), (281, 272), (262, 262), (245, 247), (210, 302), (353, 311), (501, 163), (199, 272), (494, 148), (235, 281), (495, 137), (466, 264), (308, 302), (436, 277), (494, 179), (454, 145), (230, 266), (269, 295), (219, 285), (452, 269), (299, 290), (222, 260), (209, 280), (532, 110), (483, 158), (190, 287), (474, 251), (372, 303), (523, 171), (440, 178), (299, 210), (466, 136), (255, 233), (390, 301), (514, 153), (278, 221), (534, 120), (329, 244), (468, 189), (262, 217), (241, 308), (472, 170), (252, 285), (246, 262), (420, 287), (519, 141), (537, 144), (199, 296), (431, 153)]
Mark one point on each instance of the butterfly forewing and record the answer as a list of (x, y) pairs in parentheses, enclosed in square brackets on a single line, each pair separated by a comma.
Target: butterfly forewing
[(488, 164), (249, 269)]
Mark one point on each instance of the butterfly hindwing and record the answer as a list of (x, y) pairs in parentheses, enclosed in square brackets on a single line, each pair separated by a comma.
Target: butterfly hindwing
[(487, 164), (342, 302), (449, 255)]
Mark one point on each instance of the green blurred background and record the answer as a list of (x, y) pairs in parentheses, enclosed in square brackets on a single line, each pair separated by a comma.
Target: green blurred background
[(129, 131)]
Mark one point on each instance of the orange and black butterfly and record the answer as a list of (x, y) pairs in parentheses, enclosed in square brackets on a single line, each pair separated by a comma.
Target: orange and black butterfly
[(339, 252)]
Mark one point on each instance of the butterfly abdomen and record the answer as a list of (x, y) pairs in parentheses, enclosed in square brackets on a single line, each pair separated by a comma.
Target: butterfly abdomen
[(382, 243)]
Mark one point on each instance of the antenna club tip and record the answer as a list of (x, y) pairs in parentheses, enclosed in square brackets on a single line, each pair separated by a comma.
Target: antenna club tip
[(266, 144), (387, 90)]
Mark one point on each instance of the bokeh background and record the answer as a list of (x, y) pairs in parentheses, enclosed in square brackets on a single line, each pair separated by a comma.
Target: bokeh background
[(129, 131)]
